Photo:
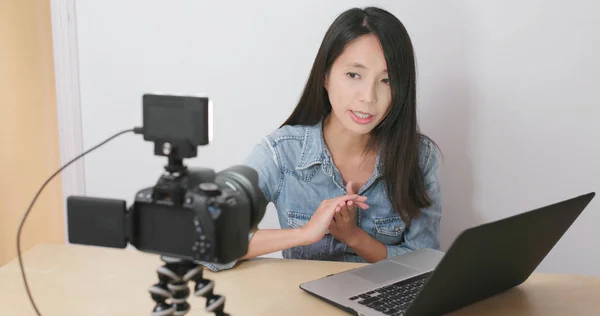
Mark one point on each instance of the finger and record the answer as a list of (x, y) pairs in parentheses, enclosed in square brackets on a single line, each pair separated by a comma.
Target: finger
[(360, 198), (338, 216), (344, 198), (352, 206), (362, 205), (338, 211), (329, 211), (349, 216), (344, 214), (331, 204), (349, 187), (341, 200), (351, 211)]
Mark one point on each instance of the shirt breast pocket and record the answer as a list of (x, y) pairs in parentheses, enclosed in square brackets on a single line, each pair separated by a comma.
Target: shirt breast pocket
[(389, 230), (316, 251)]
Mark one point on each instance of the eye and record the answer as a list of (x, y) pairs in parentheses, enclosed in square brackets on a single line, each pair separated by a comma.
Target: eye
[(353, 75), (386, 81)]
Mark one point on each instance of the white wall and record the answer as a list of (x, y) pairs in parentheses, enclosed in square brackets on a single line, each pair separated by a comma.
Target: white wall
[(507, 88)]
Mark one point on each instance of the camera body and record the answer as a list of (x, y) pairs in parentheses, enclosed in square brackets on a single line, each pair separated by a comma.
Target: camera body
[(199, 215), (194, 214)]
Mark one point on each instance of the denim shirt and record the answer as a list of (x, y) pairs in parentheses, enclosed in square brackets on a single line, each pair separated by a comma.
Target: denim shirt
[(296, 173)]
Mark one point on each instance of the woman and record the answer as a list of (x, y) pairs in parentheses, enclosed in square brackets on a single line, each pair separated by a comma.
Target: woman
[(350, 175)]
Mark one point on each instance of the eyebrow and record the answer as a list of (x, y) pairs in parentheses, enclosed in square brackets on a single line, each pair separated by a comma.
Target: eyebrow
[(359, 65)]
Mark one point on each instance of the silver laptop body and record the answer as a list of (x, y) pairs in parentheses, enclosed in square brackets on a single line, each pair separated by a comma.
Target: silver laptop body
[(483, 261), (348, 288)]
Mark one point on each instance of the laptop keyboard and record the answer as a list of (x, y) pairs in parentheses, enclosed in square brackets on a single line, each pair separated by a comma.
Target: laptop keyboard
[(393, 299)]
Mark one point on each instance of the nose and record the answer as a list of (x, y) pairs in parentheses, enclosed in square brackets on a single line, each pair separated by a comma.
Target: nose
[(369, 94)]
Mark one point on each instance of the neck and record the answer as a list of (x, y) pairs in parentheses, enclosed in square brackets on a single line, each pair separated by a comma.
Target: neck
[(341, 142)]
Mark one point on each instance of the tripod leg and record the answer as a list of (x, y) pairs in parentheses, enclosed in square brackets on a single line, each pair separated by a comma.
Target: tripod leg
[(171, 286), (178, 285), (180, 292), (160, 292), (214, 303)]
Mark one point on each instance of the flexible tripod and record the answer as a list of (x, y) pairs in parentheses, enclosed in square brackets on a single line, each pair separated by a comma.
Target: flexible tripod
[(173, 277)]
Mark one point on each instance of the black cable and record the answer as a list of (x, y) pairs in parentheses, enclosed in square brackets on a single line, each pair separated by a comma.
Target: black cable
[(136, 130)]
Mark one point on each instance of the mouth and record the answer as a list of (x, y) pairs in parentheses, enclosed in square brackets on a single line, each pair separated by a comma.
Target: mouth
[(361, 117)]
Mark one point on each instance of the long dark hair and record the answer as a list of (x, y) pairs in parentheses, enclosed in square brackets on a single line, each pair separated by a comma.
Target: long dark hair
[(398, 133)]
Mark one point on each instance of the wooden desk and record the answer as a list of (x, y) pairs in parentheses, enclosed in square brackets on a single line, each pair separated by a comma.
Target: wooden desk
[(78, 280)]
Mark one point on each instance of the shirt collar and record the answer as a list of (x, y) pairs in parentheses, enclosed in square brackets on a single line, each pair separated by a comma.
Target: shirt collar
[(314, 150)]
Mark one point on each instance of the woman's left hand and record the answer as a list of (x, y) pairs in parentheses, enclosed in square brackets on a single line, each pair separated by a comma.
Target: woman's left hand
[(343, 227)]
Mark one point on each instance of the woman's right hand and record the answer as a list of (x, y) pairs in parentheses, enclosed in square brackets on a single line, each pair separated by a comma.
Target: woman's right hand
[(319, 223)]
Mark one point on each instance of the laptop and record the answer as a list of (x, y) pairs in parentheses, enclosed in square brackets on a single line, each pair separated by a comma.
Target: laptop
[(482, 261)]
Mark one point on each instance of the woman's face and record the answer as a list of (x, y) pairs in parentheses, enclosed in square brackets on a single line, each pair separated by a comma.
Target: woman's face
[(358, 86)]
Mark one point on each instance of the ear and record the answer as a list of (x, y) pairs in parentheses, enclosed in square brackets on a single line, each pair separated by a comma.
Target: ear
[(326, 81)]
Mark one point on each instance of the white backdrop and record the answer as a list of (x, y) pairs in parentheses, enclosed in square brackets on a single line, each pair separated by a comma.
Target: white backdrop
[(507, 88)]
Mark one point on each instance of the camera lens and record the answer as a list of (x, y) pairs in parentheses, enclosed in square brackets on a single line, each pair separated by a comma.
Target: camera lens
[(245, 179)]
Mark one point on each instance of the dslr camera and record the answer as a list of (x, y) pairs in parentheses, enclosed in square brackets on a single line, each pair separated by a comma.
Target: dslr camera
[(193, 214)]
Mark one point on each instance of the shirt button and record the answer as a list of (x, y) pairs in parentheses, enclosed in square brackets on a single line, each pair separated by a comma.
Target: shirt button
[(397, 229)]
